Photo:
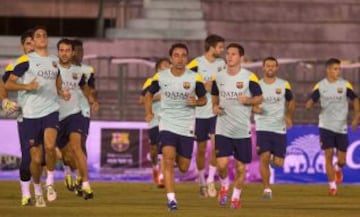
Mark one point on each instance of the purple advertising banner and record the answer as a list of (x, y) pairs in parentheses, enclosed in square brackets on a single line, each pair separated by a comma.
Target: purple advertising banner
[(125, 145)]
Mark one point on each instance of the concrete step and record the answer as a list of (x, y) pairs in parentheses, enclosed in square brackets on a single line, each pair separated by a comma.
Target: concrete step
[(172, 14), (114, 33), (166, 24), (165, 4), (310, 11), (288, 32)]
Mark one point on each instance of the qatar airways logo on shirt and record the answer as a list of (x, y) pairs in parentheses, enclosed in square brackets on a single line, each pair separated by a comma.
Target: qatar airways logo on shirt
[(174, 95), (332, 98), (48, 74), (230, 95), (272, 99), (69, 85)]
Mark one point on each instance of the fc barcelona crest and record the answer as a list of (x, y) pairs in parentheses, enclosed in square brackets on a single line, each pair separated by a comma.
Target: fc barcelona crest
[(120, 142), (219, 68), (54, 64), (239, 85), (75, 76), (278, 91), (340, 90), (186, 85)]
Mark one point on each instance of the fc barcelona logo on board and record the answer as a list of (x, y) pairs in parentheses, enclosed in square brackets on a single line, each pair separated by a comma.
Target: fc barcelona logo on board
[(239, 85), (120, 142), (186, 85)]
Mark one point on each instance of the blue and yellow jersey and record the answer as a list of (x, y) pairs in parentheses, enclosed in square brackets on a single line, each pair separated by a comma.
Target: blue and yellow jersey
[(146, 86), (8, 70), (43, 101), (235, 122), (89, 75), (207, 70), (155, 105), (333, 99), (72, 80), (175, 114), (274, 106)]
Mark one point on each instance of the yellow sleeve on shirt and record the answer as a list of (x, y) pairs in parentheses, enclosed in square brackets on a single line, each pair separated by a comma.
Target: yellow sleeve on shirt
[(349, 86), (316, 87), (254, 78), (147, 83), (24, 58), (199, 78), (9, 67), (155, 77), (194, 63), (287, 85)]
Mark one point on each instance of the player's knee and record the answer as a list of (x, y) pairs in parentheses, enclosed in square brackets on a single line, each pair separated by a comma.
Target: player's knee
[(153, 150), (341, 163), (329, 159), (241, 170), (66, 160), (37, 159), (200, 155), (50, 144), (221, 167), (265, 161), (76, 148), (50, 149), (329, 153), (201, 146), (279, 162), (169, 161), (184, 167)]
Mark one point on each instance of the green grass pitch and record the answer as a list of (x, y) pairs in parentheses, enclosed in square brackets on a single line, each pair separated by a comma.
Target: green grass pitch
[(145, 200)]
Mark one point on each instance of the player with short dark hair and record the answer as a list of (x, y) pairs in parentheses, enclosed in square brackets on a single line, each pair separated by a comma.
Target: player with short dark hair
[(333, 93), (178, 88)]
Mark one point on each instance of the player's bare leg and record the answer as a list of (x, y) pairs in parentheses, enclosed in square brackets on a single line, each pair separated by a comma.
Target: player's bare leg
[(330, 171), (212, 169), (36, 169), (75, 142), (169, 156), (238, 184), (200, 164), (50, 135), (341, 161), (222, 166), (265, 173), (69, 165), (161, 183), (154, 163)]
